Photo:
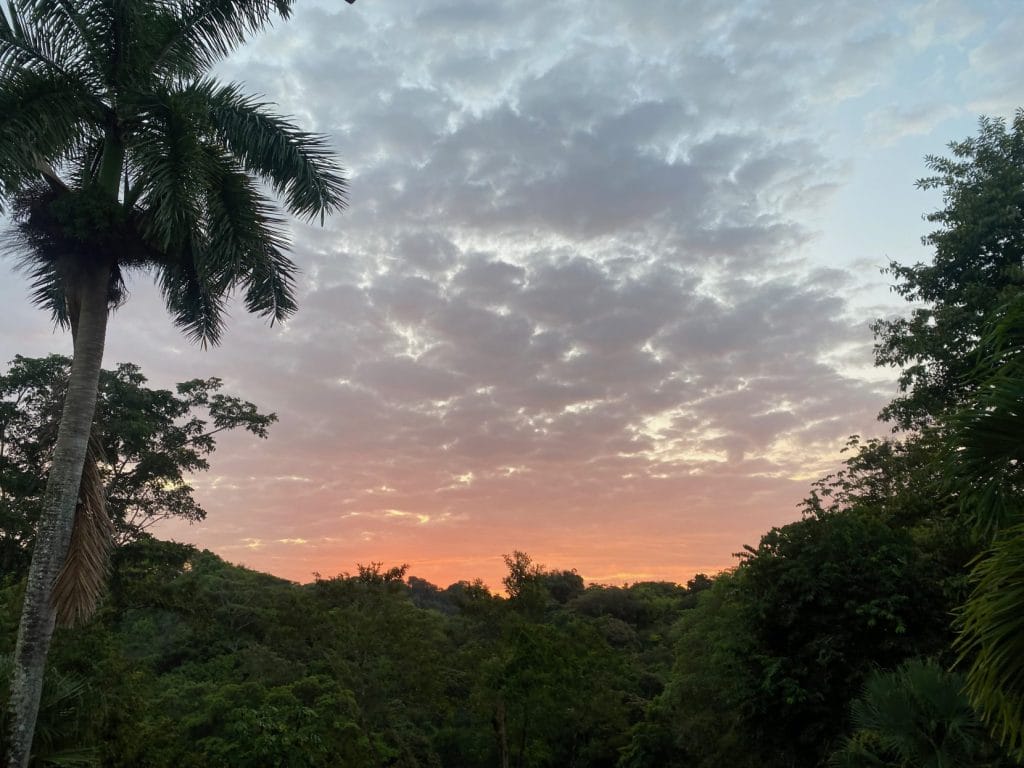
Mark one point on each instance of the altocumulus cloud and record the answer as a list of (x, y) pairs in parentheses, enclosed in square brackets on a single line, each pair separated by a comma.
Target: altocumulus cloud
[(576, 304)]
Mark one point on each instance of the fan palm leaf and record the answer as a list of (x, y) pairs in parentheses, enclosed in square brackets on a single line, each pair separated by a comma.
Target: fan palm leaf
[(58, 734), (916, 717)]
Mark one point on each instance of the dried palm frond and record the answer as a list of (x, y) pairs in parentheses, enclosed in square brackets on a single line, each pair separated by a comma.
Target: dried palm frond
[(80, 582)]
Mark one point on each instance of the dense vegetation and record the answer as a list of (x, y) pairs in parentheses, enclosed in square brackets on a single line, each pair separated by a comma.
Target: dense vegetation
[(882, 629), (195, 662)]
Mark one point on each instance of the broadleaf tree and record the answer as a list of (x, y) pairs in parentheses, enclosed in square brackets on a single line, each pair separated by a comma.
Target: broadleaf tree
[(150, 441), (978, 265)]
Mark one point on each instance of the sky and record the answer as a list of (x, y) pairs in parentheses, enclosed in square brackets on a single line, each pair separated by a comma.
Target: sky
[(603, 290)]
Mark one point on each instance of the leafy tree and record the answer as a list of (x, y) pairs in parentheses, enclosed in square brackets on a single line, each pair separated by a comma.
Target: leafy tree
[(309, 723), (393, 659), (149, 440), (524, 584), (198, 662), (646, 605), (699, 583), (119, 152), (617, 602), (979, 253), (766, 662), (532, 588), (904, 483), (898, 480), (553, 695), (831, 597), (522, 574), (562, 586), (698, 720)]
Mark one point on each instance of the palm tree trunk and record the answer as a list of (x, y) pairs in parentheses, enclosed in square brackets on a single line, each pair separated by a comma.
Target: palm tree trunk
[(59, 501)]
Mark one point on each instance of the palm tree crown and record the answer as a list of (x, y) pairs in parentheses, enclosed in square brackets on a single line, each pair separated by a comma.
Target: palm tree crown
[(116, 145)]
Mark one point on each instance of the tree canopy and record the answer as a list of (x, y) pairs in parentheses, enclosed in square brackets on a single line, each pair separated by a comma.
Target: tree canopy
[(150, 442), (978, 265)]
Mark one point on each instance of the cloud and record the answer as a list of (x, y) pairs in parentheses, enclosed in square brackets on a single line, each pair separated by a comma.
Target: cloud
[(994, 60), (897, 121), (576, 304)]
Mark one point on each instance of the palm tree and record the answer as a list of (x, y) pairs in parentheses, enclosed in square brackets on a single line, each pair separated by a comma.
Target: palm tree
[(916, 717), (987, 468), (118, 152)]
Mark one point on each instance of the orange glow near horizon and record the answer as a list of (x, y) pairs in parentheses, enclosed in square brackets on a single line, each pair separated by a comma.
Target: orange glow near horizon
[(603, 290), (442, 540)]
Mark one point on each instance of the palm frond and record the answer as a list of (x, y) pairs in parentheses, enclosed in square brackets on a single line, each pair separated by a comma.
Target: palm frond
[(247, 241), (915, 715), (42, 240), (298, 165), (270, 286), (44, 119), (135, 33), (48, 291), (206, 31), (168, 162), (40, 252), (38, 38), (82, 21), (200, 206), (987, 448), (59, 720), (990, 452), (991, 639), (75, 757), (987, 469), (85, 166), (81, 581), (194, 299)]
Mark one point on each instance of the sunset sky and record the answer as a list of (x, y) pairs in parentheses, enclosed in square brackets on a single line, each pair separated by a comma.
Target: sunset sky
[(604, 288)]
